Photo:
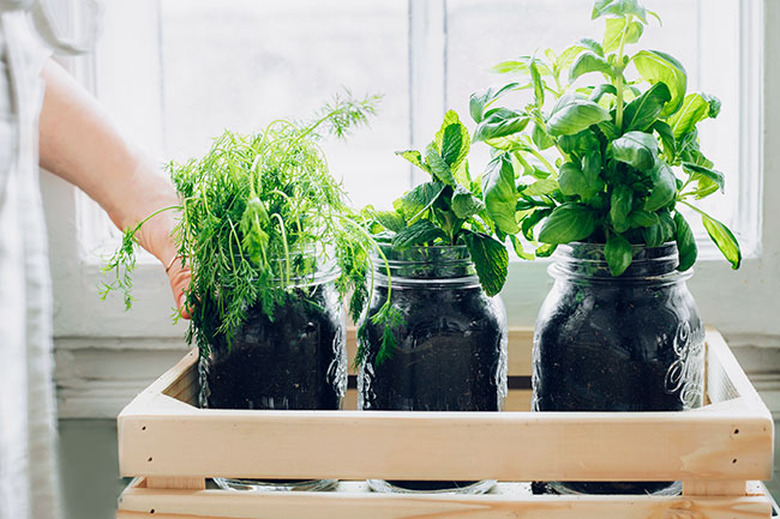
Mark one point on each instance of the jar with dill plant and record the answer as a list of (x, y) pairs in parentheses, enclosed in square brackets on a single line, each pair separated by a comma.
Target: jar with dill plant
[(445, 347), (274, 251)]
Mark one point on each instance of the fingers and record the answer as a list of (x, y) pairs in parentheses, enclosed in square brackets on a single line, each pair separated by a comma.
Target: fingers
[(179, 277)]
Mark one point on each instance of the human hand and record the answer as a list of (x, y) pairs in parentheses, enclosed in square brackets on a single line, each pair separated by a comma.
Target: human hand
[(179, 278)]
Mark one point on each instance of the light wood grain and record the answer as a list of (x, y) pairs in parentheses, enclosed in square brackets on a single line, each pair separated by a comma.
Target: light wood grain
[(213, 504), (715, 488), (175, 483), (729, 440)]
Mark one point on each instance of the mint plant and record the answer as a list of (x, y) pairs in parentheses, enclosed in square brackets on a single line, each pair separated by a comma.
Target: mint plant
[(607, 161), (447, 209)]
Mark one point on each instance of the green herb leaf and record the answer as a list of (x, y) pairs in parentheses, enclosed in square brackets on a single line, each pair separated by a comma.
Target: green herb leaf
[(642, 112), (724, 239), (491, 260), (664, 187), (545, 250), (453, 140), (530, 221), (536, 79), (465, 204), (574, 182), (518, 248), (600, 90), (590, 62), (390, 220), (715, 176), (642, 219), (415, 158), (618, 253), (620, 207), (541, 139), (614, 33), (499, 193), (655, 66), (579, 144), (439, 168), (500, 122), (567, 223), (479, 101), (637, 149), (572, 115), (694, 109), (544, 186), (618, 8), (418, 200), (667, 137), (686, 243), (419, 233), (659, 233), (593, 45)]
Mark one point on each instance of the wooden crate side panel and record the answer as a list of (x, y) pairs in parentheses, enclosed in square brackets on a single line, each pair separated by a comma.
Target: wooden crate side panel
[(329, 505), (699, 444)]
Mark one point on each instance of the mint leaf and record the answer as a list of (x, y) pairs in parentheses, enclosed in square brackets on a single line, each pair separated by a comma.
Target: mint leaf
[(419, 233), (491, 260)]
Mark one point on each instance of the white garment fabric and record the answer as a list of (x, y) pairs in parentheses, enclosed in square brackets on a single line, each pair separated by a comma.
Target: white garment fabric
[(29, 486)]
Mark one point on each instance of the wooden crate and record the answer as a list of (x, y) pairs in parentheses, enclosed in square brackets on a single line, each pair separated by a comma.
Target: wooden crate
[(718, 451)]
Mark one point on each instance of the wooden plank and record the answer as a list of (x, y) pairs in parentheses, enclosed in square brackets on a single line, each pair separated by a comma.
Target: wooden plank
[(350, 504), (518, 348), (175, 483), (715, 488), (509, 446)]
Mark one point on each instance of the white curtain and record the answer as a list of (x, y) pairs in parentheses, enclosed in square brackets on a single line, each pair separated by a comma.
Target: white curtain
[(28, 468)]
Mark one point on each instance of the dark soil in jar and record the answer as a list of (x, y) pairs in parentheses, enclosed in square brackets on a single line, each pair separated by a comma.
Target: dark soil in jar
[(448, 358), (618, 347), (296, 361)]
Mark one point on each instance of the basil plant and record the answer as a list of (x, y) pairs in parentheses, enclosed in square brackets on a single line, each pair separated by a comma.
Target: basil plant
[(612, 160)]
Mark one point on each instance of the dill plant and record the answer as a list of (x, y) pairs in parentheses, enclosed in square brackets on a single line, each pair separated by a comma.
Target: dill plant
[(259, 213)]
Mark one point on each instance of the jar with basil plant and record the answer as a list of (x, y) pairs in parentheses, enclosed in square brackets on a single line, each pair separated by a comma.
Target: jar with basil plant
[(441, 265), (606, 165), (274, 252)]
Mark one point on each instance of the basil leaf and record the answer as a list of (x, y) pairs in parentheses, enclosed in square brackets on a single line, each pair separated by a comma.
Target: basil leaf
[(618, 8), (579, 144), (545, 250), (686, 244), (465, 204), (641, 113), (694, 109), (621, 203), (615, 30), (567, 223), (518, 247), (724, 239), (420, 232), (530, 221), (541, 139), (664, 187), (541, 187), (418, 200), (574, 182), (536, 79), (618, 253), (589, 62), (654, 67), (715, 176), (666, 134), (642, 219), (661, 232), (637, 149), (479, 101), (500, 122), (593, 45), (572, 115), (491, 260), (600, 90), (500, 193)]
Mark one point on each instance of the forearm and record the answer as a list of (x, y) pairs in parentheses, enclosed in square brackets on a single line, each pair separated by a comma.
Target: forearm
[(79, 143)]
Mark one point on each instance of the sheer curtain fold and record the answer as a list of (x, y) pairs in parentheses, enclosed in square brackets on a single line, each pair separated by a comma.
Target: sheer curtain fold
[(28, 463)]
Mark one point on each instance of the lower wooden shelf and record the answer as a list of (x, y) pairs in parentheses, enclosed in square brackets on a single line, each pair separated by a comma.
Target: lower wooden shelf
[(172, 448)]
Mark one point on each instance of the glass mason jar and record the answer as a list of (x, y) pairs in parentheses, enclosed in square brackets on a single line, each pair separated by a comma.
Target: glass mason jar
[(297, 360), (451, 346), (629, 343)]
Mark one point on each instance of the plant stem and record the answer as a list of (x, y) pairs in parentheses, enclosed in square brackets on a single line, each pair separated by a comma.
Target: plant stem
[(619, 70)]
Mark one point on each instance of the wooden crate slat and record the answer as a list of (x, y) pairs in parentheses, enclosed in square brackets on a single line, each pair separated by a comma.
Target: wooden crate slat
[(139, 502), (730, 440)]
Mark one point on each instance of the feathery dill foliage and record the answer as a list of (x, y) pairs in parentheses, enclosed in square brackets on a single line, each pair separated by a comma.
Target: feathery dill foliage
[(259, 213)]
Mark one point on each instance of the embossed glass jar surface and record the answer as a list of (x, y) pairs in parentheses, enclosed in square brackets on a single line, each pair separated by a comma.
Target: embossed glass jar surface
[(295, 361), (451, 346), (629, 343)]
